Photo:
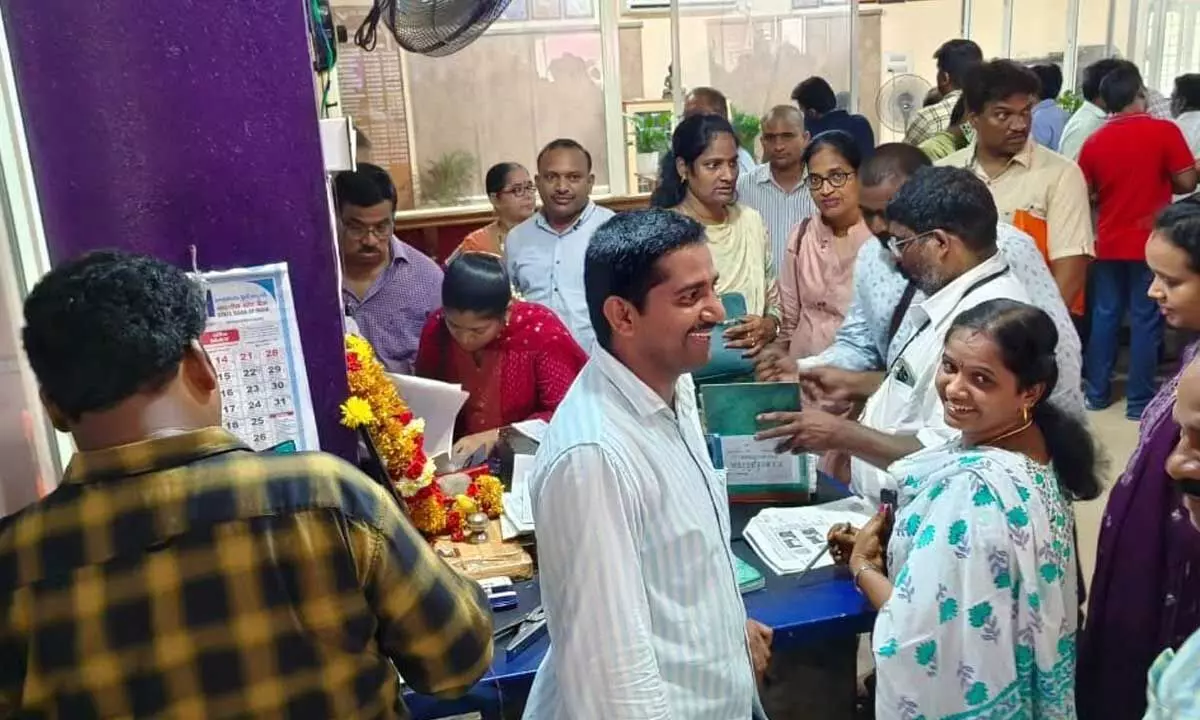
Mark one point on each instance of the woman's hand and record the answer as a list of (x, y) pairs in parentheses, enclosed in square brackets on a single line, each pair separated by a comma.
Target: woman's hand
[(466, 446), (870, 544), (841, 539), (752, 333), (774, 364)]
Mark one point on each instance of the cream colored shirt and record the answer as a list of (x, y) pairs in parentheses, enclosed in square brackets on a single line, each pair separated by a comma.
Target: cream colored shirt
[(742, 255), (1046, 185)]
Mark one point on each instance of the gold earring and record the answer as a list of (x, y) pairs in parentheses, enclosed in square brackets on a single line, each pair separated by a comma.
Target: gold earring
[(1025, 414)]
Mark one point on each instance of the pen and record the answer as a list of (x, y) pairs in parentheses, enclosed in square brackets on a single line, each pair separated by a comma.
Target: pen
[(813, 562)]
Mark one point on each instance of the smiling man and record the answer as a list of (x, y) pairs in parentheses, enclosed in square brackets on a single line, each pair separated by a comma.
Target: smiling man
[(544, 254), (637, 574), (1036, 189), (389, 287)]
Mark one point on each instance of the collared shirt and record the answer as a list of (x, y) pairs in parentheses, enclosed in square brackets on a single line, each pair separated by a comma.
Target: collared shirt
[(188, 576), (395, 307), (781, 209), (1083, 122), (546, 267), (637, 575), (1040, 187), (932, 120), (861, 344), (1174, 687), (1048, 121), (907, 401), (1157, 104)]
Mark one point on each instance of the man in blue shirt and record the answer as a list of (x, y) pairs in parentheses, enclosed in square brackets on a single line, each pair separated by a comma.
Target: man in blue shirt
[(1049, 118), (821, 112)]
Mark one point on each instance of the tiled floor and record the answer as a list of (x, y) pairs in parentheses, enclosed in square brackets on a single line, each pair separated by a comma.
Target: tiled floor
[(1117, 437)]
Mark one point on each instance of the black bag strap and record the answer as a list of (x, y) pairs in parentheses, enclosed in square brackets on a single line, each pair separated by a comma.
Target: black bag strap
[(901, 310)]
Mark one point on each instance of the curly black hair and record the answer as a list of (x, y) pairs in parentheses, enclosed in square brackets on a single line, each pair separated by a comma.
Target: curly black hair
[(107, 325), (949, 199)]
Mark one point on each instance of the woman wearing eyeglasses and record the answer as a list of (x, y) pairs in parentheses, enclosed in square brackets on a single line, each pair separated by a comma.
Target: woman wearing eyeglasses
[(511, 191), (817, 279), (516, 359)]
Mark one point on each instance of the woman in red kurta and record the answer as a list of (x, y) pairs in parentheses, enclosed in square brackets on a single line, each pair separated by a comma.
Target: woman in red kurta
[(515, 358)]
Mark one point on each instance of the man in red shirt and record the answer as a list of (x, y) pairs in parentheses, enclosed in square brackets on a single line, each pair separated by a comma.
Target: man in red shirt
[(1132, 165)]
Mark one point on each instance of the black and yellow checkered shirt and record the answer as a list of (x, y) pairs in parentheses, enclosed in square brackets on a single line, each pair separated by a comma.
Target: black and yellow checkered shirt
[(189, 577)]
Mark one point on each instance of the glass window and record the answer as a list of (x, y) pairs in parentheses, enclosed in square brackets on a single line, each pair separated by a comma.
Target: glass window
[(909, 35), (987, 27), (1040, 31), (438, 124)]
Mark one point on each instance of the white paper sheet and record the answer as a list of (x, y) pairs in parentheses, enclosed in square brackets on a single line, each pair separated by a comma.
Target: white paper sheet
[(787, 539), (438, 404), (533, 429), (518, 508)]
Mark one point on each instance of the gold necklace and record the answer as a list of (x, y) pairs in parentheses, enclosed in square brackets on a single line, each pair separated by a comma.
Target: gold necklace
[(1008, 434)]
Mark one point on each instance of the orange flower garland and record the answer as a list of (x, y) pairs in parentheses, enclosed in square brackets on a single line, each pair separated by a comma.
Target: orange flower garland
[(375, 405)]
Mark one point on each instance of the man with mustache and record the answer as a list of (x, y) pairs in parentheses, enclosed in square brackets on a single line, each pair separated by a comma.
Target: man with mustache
[(637, 575), (388, 286), (544, 255), (1035, 188), (942, 234), (849, 370)]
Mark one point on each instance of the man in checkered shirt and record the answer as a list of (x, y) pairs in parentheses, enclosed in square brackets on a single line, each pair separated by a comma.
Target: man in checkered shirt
[(176, 573), (954, 57)]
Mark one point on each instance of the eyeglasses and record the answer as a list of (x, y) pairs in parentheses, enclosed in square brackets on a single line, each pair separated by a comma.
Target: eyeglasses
[(383, 230), (519, 190), (897, 245), (836, 179)]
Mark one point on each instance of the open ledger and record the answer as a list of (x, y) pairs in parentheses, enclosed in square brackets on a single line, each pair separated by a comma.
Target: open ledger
[(787, 539)]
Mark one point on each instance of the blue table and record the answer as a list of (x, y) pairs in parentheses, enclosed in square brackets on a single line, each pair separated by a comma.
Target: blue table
[(820, 608)]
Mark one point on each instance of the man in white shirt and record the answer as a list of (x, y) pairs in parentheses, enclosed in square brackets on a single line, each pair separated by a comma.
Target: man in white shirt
[(544, 254), (637, 575), (1089, 116), (943, 235)]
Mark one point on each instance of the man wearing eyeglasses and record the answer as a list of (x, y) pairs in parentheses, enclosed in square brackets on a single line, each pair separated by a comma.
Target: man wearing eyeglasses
[(389, 287)]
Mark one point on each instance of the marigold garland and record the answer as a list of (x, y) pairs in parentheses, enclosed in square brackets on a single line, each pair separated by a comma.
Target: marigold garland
[(375, 405)]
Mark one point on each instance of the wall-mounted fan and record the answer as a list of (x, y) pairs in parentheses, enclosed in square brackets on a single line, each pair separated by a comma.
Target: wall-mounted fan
[(899, 100), (430, 27)]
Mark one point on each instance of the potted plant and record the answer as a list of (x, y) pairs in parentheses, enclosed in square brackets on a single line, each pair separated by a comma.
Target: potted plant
[(445, 180), (651, 138), (747, 128)]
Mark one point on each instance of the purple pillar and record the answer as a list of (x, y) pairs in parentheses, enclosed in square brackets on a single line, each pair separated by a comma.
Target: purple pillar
[(154, 125)]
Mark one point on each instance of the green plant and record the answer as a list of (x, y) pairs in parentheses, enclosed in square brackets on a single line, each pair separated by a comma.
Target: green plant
[(1070, 101), (746, 127), (445, 181), (652, 132)]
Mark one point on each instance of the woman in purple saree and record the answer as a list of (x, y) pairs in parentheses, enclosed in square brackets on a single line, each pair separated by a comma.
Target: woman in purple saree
[(1145, 594)]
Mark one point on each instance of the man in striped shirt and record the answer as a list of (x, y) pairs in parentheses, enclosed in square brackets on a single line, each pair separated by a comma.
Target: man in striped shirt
[(776, 188), (637, 576)]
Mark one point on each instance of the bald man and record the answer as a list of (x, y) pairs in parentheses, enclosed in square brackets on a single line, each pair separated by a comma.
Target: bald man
[(776, 188), (711, 101)]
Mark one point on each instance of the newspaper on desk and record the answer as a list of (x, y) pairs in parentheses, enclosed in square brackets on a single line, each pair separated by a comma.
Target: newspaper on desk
[(787, 539)]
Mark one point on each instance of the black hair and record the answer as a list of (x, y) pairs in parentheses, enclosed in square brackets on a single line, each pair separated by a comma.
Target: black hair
[(955, 57), (959, 112), (692, 137), (368, 185), (996, 81), (840, 141), (497, 176), (892, 160), (108, 325), (1121, 87), (622, 259), (565, 144), (1051, 78), (1187, 92), (1180, 224), (1027, 339), (714, 97), (950, 199), (816, 94), (1093, 74), (476, 282)]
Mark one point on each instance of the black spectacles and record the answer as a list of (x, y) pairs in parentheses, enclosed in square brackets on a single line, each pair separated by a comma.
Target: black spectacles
[(383, 230), (836, 179), (897, 244), (519, 190)]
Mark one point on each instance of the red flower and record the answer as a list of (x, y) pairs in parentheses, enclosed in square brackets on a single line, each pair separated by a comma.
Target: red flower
[(458, 535), (405, 417), (454, 520), (420, 457), (352, 362), (414, 469), (472, 490)]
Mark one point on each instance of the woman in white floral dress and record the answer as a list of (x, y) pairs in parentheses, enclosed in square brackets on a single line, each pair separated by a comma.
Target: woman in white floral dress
[(977, 598)]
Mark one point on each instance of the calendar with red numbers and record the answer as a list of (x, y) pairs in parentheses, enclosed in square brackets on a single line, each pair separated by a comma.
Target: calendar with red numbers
[(254, 343)]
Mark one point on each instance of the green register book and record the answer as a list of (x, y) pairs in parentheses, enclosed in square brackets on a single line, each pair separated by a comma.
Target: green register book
[(753, 470), (748, 578)]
